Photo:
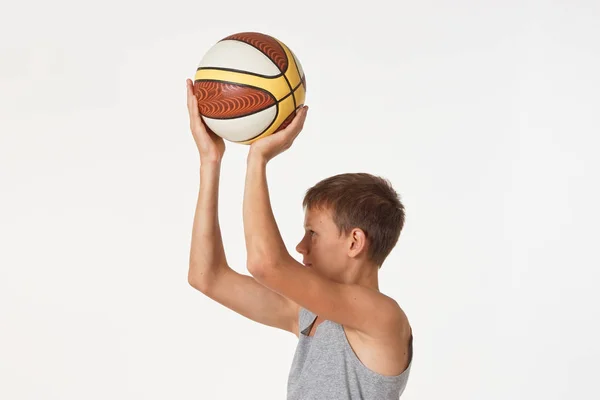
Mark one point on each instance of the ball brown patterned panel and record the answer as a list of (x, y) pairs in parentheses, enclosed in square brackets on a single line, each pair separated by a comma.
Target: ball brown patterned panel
[(287, 121), (265, 43), (230, 100)]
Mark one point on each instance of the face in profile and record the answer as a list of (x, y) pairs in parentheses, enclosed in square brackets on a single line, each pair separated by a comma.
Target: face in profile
[(322, 247)]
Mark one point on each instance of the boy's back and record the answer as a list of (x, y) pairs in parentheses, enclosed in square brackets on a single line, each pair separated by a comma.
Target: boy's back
[(326, 365)]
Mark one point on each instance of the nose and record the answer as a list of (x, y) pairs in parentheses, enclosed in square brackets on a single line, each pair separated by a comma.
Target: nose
[(301, 248)]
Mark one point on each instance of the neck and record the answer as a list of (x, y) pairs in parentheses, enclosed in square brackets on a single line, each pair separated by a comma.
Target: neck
[(370, 279), (363, 275)]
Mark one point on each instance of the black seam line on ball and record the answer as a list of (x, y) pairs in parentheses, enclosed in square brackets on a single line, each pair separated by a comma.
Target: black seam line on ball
[(291, 91), (239, 71)]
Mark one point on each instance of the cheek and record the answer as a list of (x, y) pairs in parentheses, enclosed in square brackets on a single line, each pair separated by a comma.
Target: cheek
[(314, 245), (325, 250)]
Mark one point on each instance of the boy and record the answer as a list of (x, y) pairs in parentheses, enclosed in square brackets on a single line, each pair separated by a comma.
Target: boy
[(353, 341)]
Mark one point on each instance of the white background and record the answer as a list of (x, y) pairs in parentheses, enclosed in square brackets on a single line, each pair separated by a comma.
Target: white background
[(483, 115)]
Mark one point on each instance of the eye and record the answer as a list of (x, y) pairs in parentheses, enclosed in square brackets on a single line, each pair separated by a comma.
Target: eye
[(311, 232)]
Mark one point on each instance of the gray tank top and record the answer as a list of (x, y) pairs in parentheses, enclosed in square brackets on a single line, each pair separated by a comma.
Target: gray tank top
[(325, 367)]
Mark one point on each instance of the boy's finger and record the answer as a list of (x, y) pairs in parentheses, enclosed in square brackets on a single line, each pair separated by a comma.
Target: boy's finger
[(298, 120), (193, 100), (293, 128), (300, 124), (193, 105), (190, 96)]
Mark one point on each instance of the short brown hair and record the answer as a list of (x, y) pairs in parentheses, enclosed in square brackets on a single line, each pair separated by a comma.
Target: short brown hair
[(365, 201)]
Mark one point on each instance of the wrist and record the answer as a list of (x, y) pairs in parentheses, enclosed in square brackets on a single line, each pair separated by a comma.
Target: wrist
[(255, 157), (210, 164)]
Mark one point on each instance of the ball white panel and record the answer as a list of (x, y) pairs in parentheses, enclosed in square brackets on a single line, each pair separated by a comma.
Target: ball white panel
[(242, 128), (240, 56), (298, 64)]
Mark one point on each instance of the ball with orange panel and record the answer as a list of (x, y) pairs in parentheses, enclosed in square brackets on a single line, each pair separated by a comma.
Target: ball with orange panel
[(249, 85)]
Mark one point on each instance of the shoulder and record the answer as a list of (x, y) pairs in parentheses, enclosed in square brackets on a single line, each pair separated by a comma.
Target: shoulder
[(387, 351), (397, 325)]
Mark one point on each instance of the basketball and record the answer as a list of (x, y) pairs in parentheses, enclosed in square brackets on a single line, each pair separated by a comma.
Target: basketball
[(249, 85)]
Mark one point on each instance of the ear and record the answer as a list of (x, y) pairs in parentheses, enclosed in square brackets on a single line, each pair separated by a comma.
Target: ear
[(357, 242)]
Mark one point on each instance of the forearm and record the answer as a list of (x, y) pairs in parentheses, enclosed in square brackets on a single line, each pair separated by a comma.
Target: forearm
[(207, 254), (264, 244)]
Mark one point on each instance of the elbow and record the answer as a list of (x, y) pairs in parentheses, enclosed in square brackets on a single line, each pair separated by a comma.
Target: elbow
[(258, 267), (198, 280), (192, 280), (195, 282)]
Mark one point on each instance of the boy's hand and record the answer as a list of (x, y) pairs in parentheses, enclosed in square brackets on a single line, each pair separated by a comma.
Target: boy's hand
[(210, 145), (268, 147)]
